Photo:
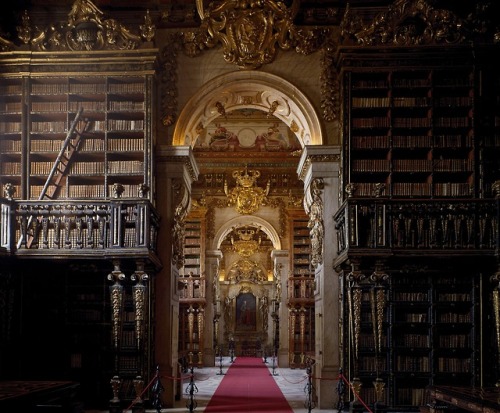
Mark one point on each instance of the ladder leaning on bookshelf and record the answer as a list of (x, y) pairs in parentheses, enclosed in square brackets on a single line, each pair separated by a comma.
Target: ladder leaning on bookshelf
[(61, 164)]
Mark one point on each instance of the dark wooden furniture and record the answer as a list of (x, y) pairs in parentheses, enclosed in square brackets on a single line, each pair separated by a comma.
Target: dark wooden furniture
[(484, 400), (39, 396)]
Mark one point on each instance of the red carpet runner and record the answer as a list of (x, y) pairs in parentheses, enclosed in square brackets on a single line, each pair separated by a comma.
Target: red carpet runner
[(248, 387)]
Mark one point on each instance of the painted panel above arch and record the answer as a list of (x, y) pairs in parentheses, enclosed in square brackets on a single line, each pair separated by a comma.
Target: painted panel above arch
[(253, 90)]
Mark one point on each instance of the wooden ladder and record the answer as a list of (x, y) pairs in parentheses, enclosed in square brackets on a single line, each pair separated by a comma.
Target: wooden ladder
[(62, 162), (59, 169)]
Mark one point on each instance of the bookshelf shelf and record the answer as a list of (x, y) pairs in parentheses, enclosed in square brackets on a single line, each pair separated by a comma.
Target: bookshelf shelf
[(411, 130), (113, 147)]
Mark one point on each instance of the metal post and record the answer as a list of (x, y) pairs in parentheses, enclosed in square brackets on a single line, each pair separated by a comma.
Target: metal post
[(220, 373), (309, 404), (191, 389), (157, 389), (340, 392), (274, 364)]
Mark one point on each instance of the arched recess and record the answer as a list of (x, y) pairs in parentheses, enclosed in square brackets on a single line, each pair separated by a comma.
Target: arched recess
[(246, 220), (243, 90)]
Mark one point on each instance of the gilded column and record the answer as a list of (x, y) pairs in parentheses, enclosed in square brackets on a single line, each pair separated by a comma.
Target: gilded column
[(302, 324), (378, 303), (191, 312), (116, 294), (139, 293), (201, 327), (292, 318)]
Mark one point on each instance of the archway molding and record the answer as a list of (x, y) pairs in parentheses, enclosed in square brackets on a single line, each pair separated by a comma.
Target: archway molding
[(246, 220), (248, 90)]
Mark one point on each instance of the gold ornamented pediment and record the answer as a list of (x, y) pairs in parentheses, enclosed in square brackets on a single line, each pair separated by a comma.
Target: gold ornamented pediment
[(85, 30), (251, 32)]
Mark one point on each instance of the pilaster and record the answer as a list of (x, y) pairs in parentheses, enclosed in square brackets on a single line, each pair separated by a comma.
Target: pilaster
[(176, 171), (319, 169), (214, 307), (281, 264)]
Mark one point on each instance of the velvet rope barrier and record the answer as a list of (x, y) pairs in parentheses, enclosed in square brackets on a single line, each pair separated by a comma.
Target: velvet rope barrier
[(157, 388), (341, 390)]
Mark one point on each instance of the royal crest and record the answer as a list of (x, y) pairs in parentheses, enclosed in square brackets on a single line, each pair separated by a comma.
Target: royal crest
[(246, 196)]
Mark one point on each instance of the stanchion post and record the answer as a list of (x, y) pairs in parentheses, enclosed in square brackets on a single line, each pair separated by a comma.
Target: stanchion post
[(340, 392), (157, 389), (309, 403), (231, 350), (274, 364), (191, 389), (220, 373)]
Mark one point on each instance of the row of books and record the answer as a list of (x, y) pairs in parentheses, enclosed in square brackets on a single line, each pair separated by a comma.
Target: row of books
[(65, 86), (454, 365), (417, 189), (410, 396), (414, 141), (369, 102), (412, 122), (413, 363)]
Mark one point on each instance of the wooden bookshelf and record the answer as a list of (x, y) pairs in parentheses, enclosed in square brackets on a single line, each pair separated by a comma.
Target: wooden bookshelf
[(115, 147), (429, 335), (412, 132), (300, 296)]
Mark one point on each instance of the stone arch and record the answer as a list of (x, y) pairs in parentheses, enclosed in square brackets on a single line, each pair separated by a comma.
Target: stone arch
[(243, 90), (246, 220)]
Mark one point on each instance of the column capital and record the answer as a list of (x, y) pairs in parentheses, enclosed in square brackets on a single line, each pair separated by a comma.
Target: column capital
[(318, 162), (277, 254), (175, 156), (213, 254)]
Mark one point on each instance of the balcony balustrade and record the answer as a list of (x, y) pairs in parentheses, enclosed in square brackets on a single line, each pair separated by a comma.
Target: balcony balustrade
[(397, 226), (79, 229)]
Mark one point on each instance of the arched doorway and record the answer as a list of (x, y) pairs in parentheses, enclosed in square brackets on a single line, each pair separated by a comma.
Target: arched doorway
[(236, 123)]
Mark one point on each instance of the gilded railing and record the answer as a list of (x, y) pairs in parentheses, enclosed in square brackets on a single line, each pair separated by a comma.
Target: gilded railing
[(456, 225), (74, 227)]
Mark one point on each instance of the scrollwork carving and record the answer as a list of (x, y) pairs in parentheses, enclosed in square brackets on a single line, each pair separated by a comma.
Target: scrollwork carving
[(315, 224), (86, 29), (405, 23), (250, 32)]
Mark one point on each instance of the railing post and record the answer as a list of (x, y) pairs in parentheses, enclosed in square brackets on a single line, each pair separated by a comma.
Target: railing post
[(116, 225), (6, 222)]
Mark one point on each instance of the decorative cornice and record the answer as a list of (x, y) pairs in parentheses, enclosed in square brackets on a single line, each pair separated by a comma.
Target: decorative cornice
[(310, 159), (405, 23), (179, 154), (86, 29)]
